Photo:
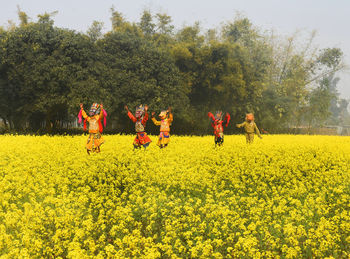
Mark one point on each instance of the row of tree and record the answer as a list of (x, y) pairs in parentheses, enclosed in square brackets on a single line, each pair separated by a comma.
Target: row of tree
[(46, 71)]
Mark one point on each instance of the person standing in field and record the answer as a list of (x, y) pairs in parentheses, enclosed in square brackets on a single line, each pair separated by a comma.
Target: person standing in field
[(140, 119), (216, 123), (250, 128), (96, 114), (166, 119)]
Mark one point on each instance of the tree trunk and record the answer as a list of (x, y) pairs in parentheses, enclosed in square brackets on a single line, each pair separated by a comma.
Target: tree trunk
[(5, 123), (48, 123)]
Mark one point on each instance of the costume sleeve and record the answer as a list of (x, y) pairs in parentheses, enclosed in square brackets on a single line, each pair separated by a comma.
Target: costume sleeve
[(227, 119), (85, 115), (157, 123), (101, 114), (131, 116), (145, 119), (211, 116), (171, 118), (257, 130), (241, 125)]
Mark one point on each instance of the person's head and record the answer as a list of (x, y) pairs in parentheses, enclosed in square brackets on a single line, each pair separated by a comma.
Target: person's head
[(218, 115), (140, 110), (249, 117), (95, 109), (163, 115)]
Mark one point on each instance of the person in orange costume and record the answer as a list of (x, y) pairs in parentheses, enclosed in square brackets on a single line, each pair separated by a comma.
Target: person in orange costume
[(250, 128), (166, 119), (140, 119), (95, 140)]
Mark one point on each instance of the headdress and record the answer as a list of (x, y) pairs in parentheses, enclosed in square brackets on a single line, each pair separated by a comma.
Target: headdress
[(163, 114), (249, 117), (218, 115), (95, 109), (140, 110)]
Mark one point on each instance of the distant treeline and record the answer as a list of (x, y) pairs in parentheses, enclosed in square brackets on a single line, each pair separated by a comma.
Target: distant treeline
[(46, 71)]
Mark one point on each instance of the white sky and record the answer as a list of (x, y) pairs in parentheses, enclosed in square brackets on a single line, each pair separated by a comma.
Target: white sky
[(330, 18)]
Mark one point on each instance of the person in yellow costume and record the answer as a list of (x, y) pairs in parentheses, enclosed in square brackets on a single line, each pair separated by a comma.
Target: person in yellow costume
[(166, 118), (95, 139), (250, 128)]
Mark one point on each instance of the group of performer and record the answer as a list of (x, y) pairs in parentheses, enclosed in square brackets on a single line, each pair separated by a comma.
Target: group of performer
[(97, 114)]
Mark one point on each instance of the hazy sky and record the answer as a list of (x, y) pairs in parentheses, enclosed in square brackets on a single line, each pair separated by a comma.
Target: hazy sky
[(330, 18)]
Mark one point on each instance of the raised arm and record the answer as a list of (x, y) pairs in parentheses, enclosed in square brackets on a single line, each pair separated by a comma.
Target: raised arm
[(171, 118), (101, 112), (157, 123), (227, 119), (145, 117), (83, 112), (130, 115), (211, 116)]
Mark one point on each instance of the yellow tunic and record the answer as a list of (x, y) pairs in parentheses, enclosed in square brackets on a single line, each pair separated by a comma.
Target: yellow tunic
[(95, 140), (164, 136), (250, 128), (93, 121), (164, 124)]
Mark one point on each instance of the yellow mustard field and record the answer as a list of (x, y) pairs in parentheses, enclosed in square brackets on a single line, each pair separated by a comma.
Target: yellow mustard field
[(281, 197)]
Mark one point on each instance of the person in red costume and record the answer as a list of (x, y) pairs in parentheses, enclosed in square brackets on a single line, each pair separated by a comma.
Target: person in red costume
[(140, 119), (216, 123)]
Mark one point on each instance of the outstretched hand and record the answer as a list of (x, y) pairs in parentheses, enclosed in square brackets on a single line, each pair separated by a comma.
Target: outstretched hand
[(169, 109), (146, 108), (81, 106), (153, 114), (101, 105), (126, 108)]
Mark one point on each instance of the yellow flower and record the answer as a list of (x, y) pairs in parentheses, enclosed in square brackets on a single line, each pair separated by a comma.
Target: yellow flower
[(286, 196)]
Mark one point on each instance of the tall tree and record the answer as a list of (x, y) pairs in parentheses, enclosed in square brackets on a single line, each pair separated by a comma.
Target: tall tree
[(146, 24), (23, 17), (95, 30), (137, 72), (319, 103)]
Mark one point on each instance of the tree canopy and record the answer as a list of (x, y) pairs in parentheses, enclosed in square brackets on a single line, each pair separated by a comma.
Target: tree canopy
[(46, 71)]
